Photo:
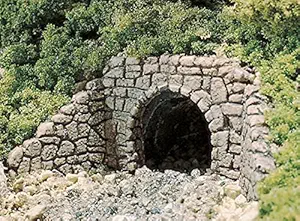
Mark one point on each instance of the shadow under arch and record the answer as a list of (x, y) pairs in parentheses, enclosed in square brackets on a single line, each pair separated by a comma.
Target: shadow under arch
[(174, 134)]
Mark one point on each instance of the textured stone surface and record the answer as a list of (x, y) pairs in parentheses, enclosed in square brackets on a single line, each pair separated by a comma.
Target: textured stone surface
[(32, 147), (121, 196), (45, 129), (107, 122)]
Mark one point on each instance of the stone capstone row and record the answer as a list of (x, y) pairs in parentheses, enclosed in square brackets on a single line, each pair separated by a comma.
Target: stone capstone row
[(104, 124)]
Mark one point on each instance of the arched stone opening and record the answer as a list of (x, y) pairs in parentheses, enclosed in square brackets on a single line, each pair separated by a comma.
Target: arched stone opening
[(175, 134)]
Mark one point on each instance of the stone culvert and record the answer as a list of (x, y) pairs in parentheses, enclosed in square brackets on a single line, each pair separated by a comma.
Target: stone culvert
[(169, 112)]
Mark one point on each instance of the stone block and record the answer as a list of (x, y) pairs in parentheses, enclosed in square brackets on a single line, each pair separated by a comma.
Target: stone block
[(234, 137), (250, 90), (82, 108), (174, 87), (252, 101), (260, 147), (220, 139), (133, 68), (168, 69), (135, 93), (61, 119), (185, 91), (231, 174), (187, 61), (176, 79), (143, 82), (174, 60), (94, 139), (259, 133), (164, 59), (159, 78), (45, 129), (47, 165), (234, 148), (15, 157), (221, 61), (108, 82), (81, 146), (96, 149), (193, 82), (210, 71), (255, 110), (119, 104), (96, 157), (218, 91), (72, 159), (49, 152), (226, 160), (60, 161), (83, 157), (83, 130), (66, 149), (95, 85), (68, 109), (36, 164), (263, 164), (204, 104), (49, 140), (135, 74), (216, 125), (110, 103), (223, 71), (96, 118), (237, 88), (189, 70), (206, 83), (236, 98), (32, 147), (81, 97), (117, 72), (24, 166), (132, 61), (236, 123), (204, 62), (216, 111), (150, 68), (240, 75), (232, 109), (256, 120), (151, 60), (116, 62), (65, 169), (122, 82)]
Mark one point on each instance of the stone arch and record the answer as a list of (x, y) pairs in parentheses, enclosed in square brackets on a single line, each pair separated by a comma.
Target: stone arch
[(182, 143), (98, 128)]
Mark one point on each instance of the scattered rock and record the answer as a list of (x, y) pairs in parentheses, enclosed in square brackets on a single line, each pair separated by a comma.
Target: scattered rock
[(232, 191), (146, 195), (35, 213)]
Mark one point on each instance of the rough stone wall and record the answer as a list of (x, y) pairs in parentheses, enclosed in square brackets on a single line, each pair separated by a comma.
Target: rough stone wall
[(74, 139), (103, 124)]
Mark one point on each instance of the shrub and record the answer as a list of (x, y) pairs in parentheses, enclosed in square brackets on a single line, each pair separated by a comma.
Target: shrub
[(266, 35), (55, 44)]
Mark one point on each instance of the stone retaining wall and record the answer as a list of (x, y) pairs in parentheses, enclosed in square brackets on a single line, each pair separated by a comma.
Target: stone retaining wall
[(103, 125)]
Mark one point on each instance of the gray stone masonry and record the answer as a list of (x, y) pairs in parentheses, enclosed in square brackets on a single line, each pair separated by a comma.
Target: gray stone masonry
[(101, 127)]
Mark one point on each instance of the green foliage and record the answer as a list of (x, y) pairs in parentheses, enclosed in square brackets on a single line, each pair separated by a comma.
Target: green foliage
[(280, 193), (266, 34), (55, 44)]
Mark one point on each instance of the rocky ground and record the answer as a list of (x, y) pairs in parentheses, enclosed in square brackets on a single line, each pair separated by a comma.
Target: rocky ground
[(120, 196)]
